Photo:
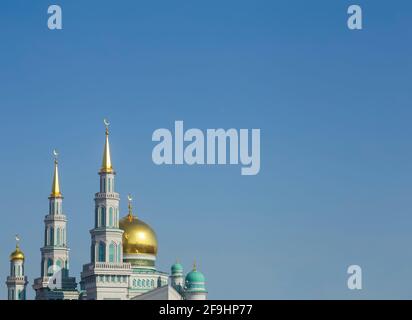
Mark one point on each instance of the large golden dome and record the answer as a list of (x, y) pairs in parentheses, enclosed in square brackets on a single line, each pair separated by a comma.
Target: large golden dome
[(138, 236)]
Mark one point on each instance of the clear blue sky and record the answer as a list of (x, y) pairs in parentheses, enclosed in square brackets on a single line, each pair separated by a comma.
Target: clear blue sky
[(333, 105)]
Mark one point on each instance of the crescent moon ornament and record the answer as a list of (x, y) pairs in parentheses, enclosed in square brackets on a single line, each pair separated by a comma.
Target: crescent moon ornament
[(129, 197), (55, 153), (106, 122)]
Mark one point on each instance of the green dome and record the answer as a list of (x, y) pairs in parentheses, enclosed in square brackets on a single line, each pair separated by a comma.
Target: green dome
[(177, 268), (195, 276), (195, 281)]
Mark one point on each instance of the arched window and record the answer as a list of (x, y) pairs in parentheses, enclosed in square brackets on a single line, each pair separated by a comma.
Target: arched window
[(58, 236), (49, 269), (102, 216), (111, 217), (111, 252), (66, 268), (119, 251), (93, 252), (152, 283), (139, 283), (109, 189), (51, 236), (96, 217), (102, 252)]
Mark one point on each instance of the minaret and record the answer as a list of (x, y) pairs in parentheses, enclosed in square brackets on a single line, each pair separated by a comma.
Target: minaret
[(106, 235), (16, 281), (55, 252), (106, 252), (176, 277), (195, 285)]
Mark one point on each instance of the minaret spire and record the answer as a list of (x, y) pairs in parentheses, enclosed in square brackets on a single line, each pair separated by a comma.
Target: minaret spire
[(55, 252), (107, 162), (106, 250), (130, 214), (55, 192)]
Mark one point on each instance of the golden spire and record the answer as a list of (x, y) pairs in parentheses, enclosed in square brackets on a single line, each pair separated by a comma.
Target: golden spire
[(107, 162), (130, 214), (55, 192)]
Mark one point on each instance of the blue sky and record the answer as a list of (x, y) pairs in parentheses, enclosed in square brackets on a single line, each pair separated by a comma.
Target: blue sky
[(333, 106)]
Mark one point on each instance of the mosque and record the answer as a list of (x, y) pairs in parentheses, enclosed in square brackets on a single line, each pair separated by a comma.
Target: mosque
[(123, 254)]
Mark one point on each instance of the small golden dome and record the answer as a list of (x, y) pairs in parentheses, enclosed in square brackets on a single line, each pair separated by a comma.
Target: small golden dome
[(17, 254), (138, 236)]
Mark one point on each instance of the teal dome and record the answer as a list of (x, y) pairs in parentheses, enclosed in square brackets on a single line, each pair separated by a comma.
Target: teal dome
[(177, 268), (195, 281), (195, 276)]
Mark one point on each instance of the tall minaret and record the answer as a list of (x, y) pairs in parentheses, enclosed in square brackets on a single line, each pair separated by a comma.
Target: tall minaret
[(55, 252), (16, 281), (106, 252)]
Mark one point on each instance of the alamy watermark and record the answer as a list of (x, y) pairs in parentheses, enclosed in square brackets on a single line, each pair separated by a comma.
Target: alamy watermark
[(216, 146), (355, 278)]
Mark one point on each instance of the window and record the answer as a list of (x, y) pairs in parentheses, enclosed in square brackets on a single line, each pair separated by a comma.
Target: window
[(111, 252), (96, 217), (51, 236), (102, 252), (111, 217), (58, 236), (119, 251), (49, 269), (102, 216), (93, 252), (109, 188)]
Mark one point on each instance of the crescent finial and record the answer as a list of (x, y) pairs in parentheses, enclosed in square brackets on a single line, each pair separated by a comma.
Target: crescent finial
[(55, 154)]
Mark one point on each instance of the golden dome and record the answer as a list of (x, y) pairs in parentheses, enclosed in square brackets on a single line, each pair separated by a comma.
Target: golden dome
[(17, 254), (138, 236)]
